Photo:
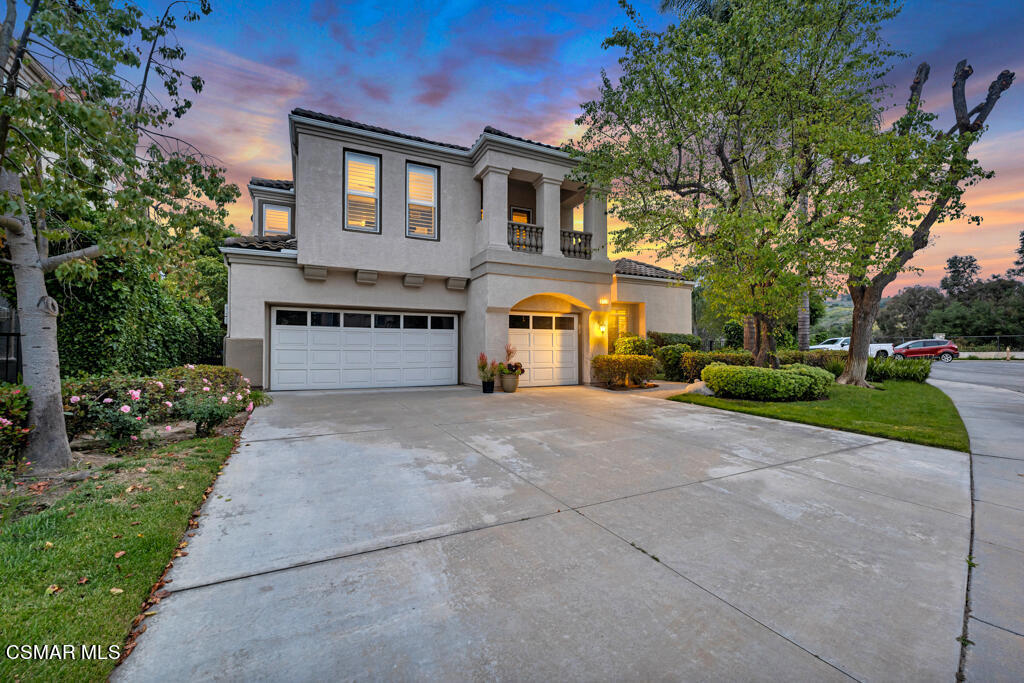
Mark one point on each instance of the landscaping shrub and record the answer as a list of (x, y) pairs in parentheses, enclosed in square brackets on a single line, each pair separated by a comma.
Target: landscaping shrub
[(764, 384), (672, 338), (693, 363), (623, 369), (14, 428), (818, 358), (208, 395), (914, 370), (835, 366), (634, 346), (670, 357), (821, 380)]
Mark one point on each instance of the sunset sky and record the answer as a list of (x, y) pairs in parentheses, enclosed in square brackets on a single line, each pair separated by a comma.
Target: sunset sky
[(445, 70)]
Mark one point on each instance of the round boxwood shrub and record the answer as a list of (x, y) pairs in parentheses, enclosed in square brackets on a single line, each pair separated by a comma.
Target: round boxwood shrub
[(673, 338), (792, 383), (634, 346)]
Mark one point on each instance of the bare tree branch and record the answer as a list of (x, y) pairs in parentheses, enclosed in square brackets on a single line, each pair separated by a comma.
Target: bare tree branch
[(961, 73)]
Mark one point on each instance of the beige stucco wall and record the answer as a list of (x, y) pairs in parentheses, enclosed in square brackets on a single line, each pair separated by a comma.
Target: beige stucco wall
[(666, 305)]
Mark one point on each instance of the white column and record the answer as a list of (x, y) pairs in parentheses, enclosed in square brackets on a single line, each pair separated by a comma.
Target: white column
[(595, 222), (495, 221), (549, 213)]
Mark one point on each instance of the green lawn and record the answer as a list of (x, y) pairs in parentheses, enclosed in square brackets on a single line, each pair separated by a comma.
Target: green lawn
[(906, 411), (80, 537)]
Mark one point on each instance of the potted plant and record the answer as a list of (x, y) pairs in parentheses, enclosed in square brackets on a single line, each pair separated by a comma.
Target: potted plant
[(510, 371), (486, 371)]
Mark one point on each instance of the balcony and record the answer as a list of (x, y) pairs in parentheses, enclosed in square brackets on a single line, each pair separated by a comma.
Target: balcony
[(525, 237), (575, 244)]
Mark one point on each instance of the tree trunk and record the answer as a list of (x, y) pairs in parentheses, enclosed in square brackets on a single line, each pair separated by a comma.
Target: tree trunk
[(764, 342), (48, 447), (749, 333), (803, 322), (866, 301)]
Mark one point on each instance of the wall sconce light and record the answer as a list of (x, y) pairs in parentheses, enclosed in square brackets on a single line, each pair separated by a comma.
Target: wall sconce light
[(603, 301), (603, 329)]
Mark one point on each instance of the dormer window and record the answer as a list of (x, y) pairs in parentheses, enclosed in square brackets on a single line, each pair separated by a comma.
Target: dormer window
[(421, 198), (362, 192), (277, 219)]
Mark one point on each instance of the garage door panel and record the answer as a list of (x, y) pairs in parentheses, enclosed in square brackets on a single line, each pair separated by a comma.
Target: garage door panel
[(547, 349), (352, 356)]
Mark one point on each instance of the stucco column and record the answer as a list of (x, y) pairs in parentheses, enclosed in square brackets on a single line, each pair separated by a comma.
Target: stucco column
[(549, 213), (495, 182), (595, 221)]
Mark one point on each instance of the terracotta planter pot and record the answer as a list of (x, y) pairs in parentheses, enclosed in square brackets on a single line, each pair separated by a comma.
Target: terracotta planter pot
[(488, 386), (509, 383)]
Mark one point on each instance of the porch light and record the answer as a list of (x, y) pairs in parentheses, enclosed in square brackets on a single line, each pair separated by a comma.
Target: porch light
[(603, 328)]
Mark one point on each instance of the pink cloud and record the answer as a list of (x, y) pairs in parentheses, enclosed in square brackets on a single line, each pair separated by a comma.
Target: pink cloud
[(375, 90), (438, 87)]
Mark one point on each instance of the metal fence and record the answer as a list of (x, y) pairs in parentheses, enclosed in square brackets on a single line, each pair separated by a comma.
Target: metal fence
[(10, 346)]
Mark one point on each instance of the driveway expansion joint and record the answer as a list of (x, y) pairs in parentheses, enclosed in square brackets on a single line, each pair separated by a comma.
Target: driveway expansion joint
[(1001, 628)]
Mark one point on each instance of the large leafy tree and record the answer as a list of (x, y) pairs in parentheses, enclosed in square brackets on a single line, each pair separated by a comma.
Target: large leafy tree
[(88, 166), (724, 127), (909, 178), (961, 273)]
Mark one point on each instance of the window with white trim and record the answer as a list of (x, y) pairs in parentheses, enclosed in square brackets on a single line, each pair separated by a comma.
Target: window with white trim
[(277, 219), (362, 192), (421, 201)]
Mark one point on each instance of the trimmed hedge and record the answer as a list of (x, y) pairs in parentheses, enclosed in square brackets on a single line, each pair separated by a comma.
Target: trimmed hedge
[(792, 383), (623, 369), (634, 346), (673, 338), (670, 357), (692, 364), (818, 358), (915, 370)]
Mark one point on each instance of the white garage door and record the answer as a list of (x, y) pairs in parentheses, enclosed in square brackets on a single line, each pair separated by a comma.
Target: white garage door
[(547, 348), (332, 349)]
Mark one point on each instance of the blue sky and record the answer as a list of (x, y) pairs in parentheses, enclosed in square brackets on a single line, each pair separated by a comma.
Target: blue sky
[(445, 70)]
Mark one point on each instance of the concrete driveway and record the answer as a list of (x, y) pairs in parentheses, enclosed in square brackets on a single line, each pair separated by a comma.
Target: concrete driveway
[(567, 533)]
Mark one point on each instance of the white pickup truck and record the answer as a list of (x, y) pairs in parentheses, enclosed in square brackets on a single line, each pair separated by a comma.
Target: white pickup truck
[(843, 344)]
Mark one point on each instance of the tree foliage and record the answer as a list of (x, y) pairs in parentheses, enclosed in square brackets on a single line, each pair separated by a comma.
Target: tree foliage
[(961, 273)]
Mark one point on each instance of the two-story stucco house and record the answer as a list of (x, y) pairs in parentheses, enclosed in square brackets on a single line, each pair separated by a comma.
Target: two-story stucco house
[(392, 260)]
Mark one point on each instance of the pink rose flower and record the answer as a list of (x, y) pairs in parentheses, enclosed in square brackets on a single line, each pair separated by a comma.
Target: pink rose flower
[(223, 399), (249, 407), (134, 438), (206, 381), (168, 404), (167, 428), (108, 400), (75, 399), (160, 384), (181, 390), (206, 388), (135, 394), (125, 409), (238, 397), (16, 391)]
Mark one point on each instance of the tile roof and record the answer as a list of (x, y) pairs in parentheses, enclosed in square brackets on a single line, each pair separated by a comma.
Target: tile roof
[(262, 242), (328, 118), (275, 184), (500, 133), (625, 266)]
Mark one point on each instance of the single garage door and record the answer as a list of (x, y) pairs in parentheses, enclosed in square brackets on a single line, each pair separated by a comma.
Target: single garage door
[(547, 347), (338, 349)]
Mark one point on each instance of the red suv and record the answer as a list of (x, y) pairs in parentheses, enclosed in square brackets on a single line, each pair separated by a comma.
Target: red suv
[(942, 349)]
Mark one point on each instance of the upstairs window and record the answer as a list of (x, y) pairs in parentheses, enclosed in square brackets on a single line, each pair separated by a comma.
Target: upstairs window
[(277, 220), (421, 194), (362, 192), (520, 215)]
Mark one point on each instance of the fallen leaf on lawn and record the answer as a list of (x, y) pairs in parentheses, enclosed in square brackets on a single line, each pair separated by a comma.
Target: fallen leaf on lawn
[(52, 588), (142, 469), (180, 487), (84, 579), (149, 613), (139, 535), (161, 594), (117, 591), (135, 506), (183, 544), (130, 488), (48, 544), (116, 536), (135, 523), (120, 553)]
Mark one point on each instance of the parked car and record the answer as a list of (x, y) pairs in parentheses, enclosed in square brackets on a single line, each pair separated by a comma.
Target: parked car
[(943, 349), (843, 344)]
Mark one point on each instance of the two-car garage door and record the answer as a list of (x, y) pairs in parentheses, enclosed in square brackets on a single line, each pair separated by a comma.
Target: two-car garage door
[(338, 349)]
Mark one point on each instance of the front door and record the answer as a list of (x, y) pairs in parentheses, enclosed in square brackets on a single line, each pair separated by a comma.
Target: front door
[(547, 346)]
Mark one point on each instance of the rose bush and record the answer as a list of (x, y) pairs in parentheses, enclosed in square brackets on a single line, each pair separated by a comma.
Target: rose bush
[(14, 427)]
